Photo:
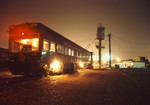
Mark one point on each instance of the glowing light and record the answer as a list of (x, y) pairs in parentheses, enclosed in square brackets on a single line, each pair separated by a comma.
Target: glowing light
[(81, 64), (56, 66), (72, 52), (118, 59), (69, 51), (107, 56), (52, 47), (45, 42), (24, 41), (45, 45), (35, 42), (35, 39), (22, 33), (43, 52), (95, 57)]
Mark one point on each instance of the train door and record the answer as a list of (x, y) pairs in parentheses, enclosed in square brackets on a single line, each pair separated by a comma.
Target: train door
[(45, 51)]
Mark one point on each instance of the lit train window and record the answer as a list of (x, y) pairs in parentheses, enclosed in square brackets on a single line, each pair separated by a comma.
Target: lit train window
[(72, 53), (69, 51), (66, 51), (45, 45), (89, 57), (60, 48), (52, 47), (31, 44)]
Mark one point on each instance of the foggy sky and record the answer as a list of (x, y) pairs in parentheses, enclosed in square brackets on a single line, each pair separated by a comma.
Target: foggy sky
[(127, 21)]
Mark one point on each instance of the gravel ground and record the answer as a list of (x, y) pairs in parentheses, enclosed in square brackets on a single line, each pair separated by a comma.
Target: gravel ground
[(86, 87)]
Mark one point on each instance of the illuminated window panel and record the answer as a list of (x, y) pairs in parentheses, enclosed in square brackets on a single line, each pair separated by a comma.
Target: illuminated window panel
[(72, 53), (52, 49), (45, 45), (25, 45), (69, 51)]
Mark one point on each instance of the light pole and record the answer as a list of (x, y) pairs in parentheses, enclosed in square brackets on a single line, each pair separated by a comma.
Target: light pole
[(109, 35)]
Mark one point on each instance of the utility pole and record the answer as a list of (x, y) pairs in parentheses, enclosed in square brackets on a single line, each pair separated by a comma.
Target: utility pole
[(109, 35), (100, 44), (100, 37)]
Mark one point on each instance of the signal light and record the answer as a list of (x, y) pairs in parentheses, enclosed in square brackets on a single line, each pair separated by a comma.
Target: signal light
[(22, 33)]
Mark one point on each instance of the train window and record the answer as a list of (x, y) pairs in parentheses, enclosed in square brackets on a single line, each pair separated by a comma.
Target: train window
[(77, 54), (60, 48), (69, 51), (66, 51), (31, 44), (89, 57), (45, 45), (52, 47), (80, 55), (72, 53)]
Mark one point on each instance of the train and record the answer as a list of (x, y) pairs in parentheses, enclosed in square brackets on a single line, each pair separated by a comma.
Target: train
[(35, 49)]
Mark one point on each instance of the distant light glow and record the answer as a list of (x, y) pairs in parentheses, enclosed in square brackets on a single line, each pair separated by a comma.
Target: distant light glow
[(107, 56), (118, 59), (95, 57)]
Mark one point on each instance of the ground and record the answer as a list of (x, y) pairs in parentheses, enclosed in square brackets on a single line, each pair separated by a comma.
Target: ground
[(86, 87)]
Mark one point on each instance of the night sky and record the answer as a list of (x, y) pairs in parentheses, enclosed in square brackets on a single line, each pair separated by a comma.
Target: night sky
[(127, 21)]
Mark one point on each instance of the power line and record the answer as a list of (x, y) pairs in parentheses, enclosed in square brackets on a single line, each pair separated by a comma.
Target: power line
[(87, 47)]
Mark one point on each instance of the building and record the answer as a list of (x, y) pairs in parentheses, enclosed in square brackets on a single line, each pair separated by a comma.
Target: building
[(137, 62)]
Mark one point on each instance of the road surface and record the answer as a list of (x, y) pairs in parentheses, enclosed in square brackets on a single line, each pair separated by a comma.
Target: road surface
[(86, 87)]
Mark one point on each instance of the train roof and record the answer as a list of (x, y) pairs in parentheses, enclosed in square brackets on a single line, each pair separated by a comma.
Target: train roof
[(46, 29)]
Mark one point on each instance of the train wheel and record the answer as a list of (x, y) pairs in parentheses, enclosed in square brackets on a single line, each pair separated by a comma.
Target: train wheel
[(66, 68), (69, 67), (43, 71), (73, 67)]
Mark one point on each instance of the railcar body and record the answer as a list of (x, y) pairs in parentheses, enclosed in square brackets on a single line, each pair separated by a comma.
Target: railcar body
[(37, 49)]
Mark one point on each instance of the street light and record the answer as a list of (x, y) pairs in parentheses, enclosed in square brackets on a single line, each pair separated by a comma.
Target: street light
[(107, 56)]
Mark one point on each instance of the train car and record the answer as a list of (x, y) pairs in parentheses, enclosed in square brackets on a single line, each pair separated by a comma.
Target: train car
[(36, 49)]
